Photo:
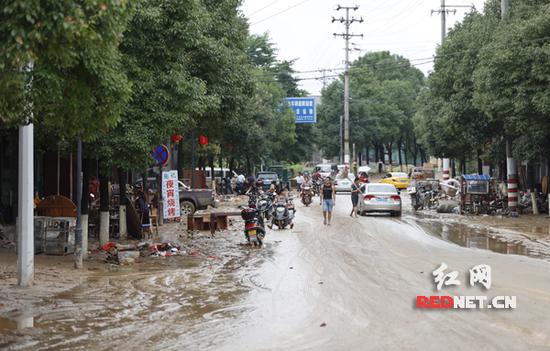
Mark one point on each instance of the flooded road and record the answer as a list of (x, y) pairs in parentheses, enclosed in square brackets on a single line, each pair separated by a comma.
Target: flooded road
[(348, 286)]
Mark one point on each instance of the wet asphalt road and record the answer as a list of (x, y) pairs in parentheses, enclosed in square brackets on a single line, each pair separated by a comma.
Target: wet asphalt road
[(348, 286)]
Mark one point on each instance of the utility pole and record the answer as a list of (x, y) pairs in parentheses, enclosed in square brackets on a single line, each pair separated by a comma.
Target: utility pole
[(511, 168), (25, 213), (347, 21), (443, 12)]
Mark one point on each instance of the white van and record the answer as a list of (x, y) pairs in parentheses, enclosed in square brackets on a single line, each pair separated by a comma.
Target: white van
[(219, 173)]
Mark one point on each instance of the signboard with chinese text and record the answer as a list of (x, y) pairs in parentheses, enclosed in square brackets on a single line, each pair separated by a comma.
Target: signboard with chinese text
[(170, 194), (304, 109)]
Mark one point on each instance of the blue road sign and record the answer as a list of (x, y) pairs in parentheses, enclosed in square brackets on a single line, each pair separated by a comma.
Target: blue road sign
[(304, 109), (160, 154)]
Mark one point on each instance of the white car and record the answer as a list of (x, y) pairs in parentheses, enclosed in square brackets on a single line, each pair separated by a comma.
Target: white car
[(379, 197), (324, 169), (343, 184)]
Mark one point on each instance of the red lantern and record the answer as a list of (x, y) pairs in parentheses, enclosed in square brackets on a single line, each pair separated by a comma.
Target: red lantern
[(203, 140), (176, 138)]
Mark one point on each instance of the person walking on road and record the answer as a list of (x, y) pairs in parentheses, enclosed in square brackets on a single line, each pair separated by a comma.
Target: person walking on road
[(299, 181), (354, 197), (328, 200)]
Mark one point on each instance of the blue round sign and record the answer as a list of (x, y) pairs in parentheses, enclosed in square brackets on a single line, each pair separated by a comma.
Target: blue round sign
[(160, 154)]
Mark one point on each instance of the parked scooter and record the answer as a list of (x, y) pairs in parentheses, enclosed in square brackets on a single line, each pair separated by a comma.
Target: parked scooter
[(307, 195), (282, 216), (416, 201), (254, 230), (265, 205)]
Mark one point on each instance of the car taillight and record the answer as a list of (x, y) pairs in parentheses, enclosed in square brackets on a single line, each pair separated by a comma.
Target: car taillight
[(369, 197), (395, 197)]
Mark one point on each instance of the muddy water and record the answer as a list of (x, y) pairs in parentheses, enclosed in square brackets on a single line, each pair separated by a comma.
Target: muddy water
[(479, 238), (158, 303)]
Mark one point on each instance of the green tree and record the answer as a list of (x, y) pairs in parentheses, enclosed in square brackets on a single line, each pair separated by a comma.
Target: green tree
[(383, 93), (69, 52)]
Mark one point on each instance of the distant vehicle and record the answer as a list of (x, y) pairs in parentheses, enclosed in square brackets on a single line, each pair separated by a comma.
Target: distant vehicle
[(379, 197), (219, 173), (267, 178), (419, 173), (283, 174), (342, 183), (191, 200), (365, 169), (324, 169), (399, 179)]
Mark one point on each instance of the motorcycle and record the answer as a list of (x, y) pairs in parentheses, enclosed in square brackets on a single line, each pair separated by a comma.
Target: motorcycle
[(307, 195), (265, 205), (317, 183), (254, 230), (416, 202), (430, 199), (282, 216)]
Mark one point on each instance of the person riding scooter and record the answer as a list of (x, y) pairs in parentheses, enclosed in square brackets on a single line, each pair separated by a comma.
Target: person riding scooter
[(306, 192)]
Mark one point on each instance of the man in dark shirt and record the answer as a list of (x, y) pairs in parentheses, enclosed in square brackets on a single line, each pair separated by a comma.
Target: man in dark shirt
[(354, 197), (328, 200)]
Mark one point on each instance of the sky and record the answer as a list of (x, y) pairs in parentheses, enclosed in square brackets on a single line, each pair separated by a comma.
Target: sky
[(302, 31)]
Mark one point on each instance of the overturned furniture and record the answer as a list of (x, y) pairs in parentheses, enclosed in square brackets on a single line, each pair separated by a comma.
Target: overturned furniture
[(210, 221)]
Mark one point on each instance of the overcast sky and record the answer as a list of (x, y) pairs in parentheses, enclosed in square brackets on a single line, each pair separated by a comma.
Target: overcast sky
[(302, 30)]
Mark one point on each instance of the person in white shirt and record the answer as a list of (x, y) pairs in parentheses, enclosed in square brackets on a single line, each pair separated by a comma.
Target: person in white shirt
[(299, 181), (240, 184)]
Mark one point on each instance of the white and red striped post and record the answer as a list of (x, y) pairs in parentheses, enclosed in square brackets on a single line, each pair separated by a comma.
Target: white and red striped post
[(446, 168), (512, 186)]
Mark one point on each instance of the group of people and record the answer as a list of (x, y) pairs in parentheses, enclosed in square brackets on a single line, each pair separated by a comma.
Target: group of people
[(328, 194)]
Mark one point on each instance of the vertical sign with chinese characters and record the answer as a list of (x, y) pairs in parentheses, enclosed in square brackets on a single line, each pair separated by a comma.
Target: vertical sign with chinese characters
[(304, 109), (170, 194)]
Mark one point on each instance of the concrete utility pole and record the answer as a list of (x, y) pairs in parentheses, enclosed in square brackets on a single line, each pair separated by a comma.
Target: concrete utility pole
[(25, 215), (347, 21), (25, 205), (443, 12), (511, 168)]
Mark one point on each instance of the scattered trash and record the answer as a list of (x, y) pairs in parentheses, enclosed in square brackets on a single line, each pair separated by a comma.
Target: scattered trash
[(164, 249), (107, 246), (446, 206), (323, 324)]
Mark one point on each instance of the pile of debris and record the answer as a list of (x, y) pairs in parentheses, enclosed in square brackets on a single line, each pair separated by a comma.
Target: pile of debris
[(126, 254), (5, 242)]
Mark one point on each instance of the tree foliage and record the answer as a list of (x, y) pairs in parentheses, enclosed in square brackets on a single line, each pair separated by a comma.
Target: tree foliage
[(490, 82), (383, 93), (62, 59)]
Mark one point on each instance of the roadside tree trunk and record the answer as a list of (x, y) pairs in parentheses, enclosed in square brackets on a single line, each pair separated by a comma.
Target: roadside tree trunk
[(479, 163), (399, 155), (415, 153), (390, 156)]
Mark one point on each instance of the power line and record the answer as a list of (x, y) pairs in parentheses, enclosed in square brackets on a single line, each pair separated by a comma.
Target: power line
[(263, 8), (280, 12)]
